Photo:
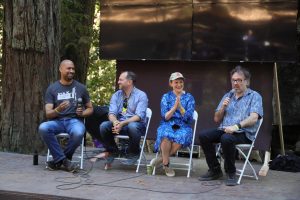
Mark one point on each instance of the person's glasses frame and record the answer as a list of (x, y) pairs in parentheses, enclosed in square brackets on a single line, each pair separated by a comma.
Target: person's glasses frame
[(239, 81)]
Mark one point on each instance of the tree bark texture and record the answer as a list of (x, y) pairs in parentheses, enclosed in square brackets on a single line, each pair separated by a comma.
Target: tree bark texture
[(30, 64), (77, 32)]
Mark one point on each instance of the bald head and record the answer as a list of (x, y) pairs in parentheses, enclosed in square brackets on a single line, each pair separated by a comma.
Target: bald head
[(67, 70), (66, 62)]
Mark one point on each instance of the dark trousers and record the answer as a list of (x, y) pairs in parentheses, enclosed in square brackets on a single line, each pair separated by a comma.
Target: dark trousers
[(134, 130), (209, 138)]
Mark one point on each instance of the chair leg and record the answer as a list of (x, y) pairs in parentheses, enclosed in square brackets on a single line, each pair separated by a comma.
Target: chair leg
[(141, 154), (81, 153), (48, 156), (245, 164), (190, 160), (154, 168)]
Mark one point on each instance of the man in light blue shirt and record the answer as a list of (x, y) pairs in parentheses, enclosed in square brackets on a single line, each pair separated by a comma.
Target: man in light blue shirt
[(127, 116), (238, 113)]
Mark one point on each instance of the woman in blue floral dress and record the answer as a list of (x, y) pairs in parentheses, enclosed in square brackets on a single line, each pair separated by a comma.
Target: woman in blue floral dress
[(174, 132)]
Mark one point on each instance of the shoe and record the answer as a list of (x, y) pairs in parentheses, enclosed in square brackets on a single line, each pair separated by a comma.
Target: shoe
[(131, 159), (231, 180), (51, 165), (155, 162), (169, 171), (69, 166), (211, 175)]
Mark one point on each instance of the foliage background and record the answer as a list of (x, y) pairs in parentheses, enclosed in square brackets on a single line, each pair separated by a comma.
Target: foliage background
[(101, 76), (102, 73)]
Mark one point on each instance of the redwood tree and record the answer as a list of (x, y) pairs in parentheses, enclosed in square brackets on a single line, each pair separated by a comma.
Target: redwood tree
[(30, 64), (77, 19)]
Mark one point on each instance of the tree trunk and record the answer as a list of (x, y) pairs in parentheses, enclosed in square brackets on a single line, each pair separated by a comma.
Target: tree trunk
[(30, 64), (77, 31)]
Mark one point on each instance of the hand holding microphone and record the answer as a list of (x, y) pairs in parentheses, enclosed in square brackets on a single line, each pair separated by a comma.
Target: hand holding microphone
[(79, 109), (227, 99)]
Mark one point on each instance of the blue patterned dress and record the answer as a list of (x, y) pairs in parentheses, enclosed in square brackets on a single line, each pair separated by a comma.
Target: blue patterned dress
[(183, 135)]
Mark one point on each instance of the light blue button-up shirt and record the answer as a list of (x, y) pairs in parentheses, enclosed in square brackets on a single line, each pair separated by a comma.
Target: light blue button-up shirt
[(137, 104), (240, 109)]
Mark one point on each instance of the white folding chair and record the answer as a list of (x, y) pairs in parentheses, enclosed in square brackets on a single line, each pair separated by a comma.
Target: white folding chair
[(144, 138), (247, 147), (78, 158), (186, 166), (241, 149)]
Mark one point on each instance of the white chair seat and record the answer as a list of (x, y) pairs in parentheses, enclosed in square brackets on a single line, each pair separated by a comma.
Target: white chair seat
[(241, 149), (143, 138), (185, 166), (78, 158)]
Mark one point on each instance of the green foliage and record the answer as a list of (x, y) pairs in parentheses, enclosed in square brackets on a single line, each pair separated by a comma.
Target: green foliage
[(75, 33), (102, 73), (101, 81)]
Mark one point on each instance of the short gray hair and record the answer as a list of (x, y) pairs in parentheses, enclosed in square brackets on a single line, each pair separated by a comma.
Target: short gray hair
[(241, 70)]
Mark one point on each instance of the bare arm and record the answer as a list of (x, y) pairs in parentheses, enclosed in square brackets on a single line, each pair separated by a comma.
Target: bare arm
[(112, 118), (134, 118), (220, 113), (88, 110), (249, 121), (51, 112)]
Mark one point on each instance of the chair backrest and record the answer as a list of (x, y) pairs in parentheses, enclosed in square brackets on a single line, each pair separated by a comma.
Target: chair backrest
[(195, 115), (259, 125), (195, 118), (148, 116)]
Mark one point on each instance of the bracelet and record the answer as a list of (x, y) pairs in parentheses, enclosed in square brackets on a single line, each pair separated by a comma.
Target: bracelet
[(56, 110), (239, 125), (182, 110)]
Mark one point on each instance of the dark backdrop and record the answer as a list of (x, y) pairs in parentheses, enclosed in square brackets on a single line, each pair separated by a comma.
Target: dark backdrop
[(208, 82)]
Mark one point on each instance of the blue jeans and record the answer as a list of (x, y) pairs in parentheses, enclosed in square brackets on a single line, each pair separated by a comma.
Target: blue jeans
[(48, 131), (134, 130), (209, 138)]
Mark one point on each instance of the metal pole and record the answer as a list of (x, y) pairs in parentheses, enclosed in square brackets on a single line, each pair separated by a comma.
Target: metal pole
[(279, 110)]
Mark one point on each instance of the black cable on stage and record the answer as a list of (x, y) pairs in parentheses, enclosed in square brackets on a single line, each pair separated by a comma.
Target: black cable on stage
[(69, 185)]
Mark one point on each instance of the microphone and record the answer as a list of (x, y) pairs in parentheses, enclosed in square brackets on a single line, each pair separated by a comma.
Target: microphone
[(231, 93), (79, 103)]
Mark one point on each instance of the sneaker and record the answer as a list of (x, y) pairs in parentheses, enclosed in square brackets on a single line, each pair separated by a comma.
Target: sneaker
[(69, 166), (51, 165), (156, 161), (211, 175), (231, 180), (169, 171)]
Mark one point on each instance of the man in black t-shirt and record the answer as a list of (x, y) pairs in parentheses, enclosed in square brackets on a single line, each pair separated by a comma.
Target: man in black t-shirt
[(66, 102)]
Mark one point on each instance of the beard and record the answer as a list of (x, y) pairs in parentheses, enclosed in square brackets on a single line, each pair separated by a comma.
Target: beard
[(69, 77)]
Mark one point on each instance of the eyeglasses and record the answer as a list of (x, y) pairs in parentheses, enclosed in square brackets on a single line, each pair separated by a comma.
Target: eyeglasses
[(236, 81), (125, 104)]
